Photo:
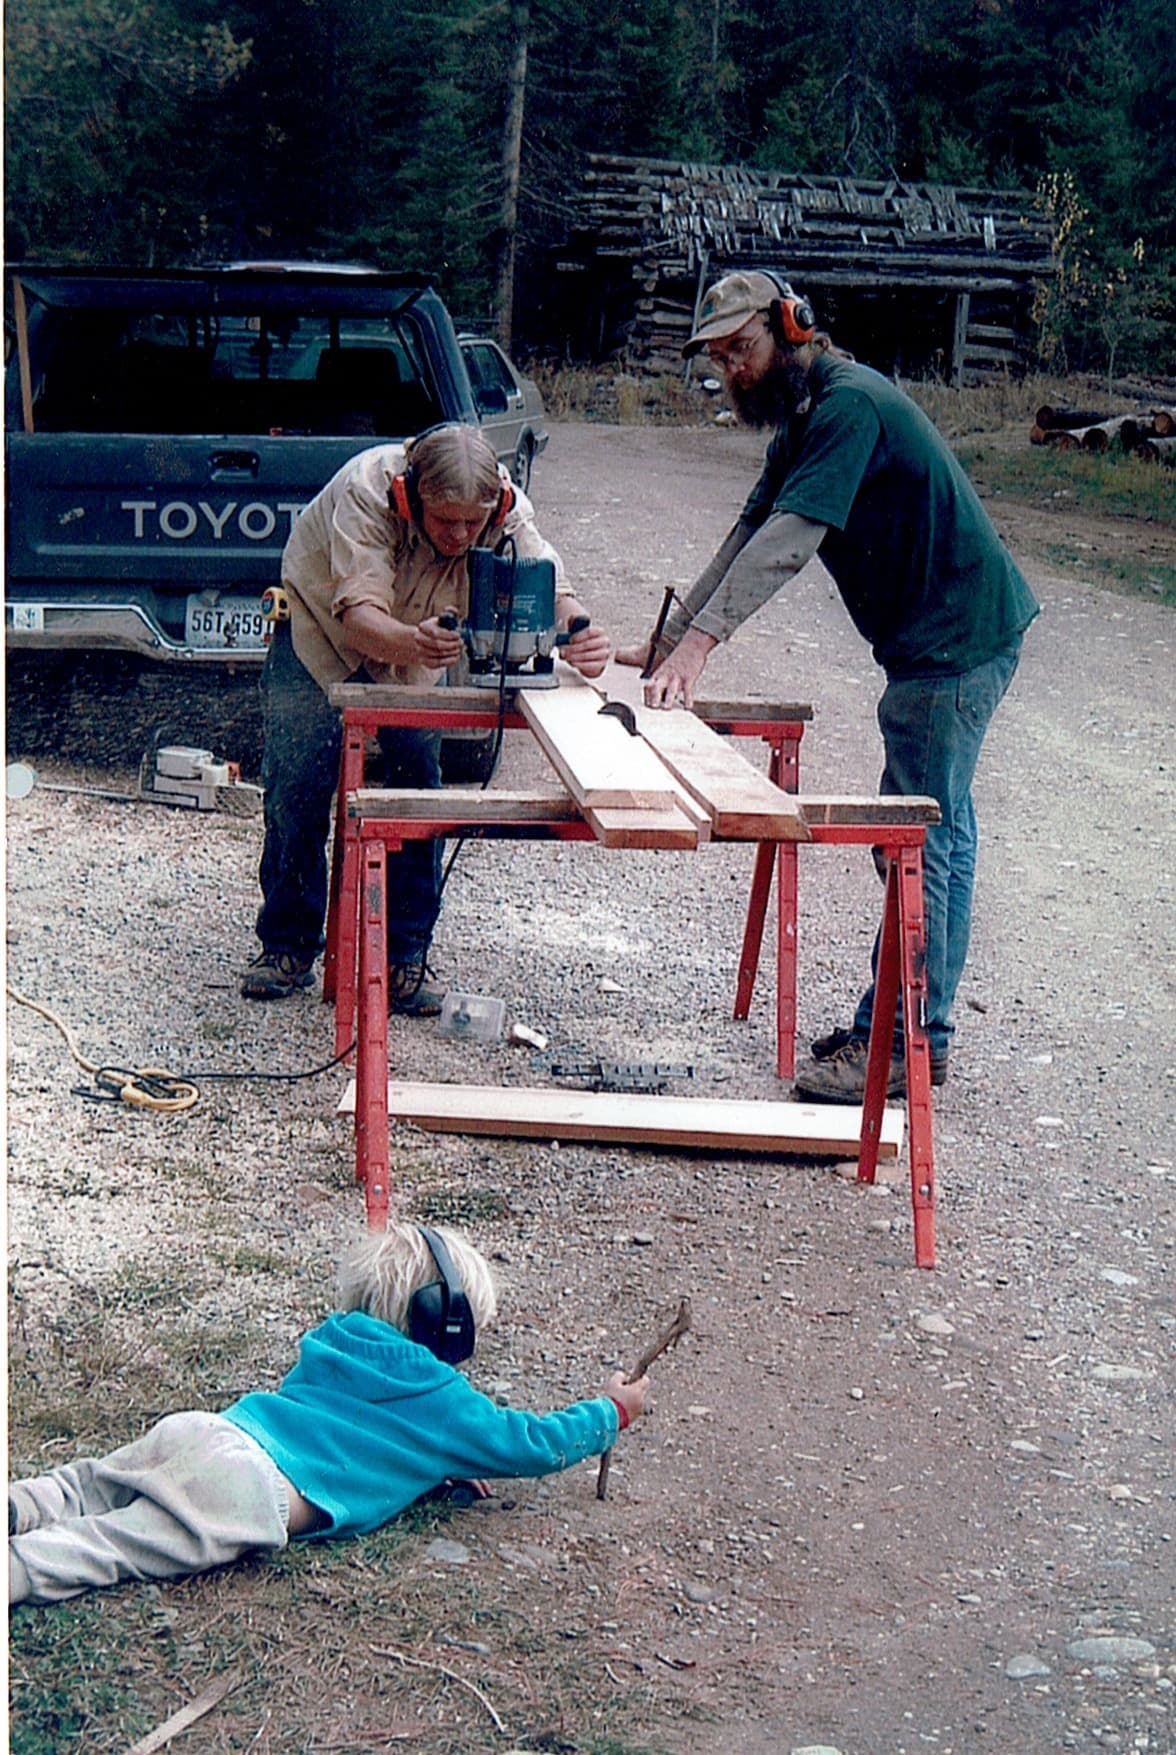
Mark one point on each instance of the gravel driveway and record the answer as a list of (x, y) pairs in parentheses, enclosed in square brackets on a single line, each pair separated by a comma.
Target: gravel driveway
[(875, 1509)]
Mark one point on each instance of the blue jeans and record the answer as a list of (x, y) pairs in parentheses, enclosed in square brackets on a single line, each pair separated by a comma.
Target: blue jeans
[(932, 730), (300, 774)]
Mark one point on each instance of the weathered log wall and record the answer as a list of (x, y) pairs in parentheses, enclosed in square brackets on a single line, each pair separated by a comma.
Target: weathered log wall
[(950, 273)]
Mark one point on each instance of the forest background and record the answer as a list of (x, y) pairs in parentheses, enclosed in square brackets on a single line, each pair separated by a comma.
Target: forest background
[(447, 136)]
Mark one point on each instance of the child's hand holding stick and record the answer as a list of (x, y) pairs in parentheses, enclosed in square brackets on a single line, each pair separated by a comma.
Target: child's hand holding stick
[(669, 1338)]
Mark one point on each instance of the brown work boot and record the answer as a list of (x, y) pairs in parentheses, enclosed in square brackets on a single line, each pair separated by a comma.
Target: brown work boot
[(276, 974), (410, 993), (839, 1076)]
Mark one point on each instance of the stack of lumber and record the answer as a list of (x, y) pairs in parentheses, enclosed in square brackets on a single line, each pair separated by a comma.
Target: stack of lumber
[(1150, 435)]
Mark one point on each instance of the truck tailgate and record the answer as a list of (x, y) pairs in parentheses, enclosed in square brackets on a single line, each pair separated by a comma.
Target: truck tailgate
[(177, 514)]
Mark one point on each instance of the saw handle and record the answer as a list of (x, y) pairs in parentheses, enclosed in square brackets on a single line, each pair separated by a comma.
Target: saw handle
[(576, 626)]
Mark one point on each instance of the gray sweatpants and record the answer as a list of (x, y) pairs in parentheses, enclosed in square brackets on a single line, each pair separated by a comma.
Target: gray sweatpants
[(194, 1492)]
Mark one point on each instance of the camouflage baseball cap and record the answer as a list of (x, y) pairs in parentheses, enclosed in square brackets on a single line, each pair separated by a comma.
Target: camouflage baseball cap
[(729, 304)]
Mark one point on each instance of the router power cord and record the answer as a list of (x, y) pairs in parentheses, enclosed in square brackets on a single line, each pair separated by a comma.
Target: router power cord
[(153, 1087)]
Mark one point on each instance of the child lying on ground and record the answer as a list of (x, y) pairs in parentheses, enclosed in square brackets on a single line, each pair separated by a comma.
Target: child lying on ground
[(372, 1416)]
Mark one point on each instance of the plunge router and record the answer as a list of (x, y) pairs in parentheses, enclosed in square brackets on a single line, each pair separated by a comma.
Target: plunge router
[(510, 632)]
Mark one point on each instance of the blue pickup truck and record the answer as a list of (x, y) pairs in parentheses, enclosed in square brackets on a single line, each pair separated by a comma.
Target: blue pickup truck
[(163, 430)]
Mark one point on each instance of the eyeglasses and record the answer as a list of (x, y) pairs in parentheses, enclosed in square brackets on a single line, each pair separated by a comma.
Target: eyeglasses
[(730, 355)]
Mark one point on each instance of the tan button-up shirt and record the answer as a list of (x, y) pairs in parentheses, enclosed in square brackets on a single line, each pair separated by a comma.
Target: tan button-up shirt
[(348, 547)]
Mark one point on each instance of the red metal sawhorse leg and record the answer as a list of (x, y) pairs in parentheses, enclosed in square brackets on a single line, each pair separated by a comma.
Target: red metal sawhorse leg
[(783, 771), (343, 906), (371, 1069), (902, 959)]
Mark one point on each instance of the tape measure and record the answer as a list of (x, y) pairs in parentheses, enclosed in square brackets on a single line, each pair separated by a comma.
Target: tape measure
[(275, 605)]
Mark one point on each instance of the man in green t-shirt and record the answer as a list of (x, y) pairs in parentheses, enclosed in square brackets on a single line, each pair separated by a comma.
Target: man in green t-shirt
[(856, 473)]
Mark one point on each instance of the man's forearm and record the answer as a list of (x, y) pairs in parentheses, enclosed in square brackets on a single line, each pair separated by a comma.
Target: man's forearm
[(700, 593), (755, 569)]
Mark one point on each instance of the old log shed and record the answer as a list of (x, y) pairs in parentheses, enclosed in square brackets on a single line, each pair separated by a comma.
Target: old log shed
[(912, 277)]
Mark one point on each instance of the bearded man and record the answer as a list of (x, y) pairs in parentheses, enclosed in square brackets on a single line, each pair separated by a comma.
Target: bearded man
[(857, 474)]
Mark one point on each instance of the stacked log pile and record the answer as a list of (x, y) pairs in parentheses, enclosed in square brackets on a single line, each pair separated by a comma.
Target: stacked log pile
[(665, 227), (1149, 435)]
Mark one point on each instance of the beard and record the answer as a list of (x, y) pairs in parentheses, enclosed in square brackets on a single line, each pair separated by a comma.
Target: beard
[(775, 396)]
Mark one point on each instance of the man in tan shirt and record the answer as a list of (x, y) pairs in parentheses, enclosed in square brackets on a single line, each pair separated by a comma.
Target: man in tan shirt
[(372, 563)]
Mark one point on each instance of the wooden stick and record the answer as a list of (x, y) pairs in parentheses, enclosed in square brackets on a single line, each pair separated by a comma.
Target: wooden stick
[(186, 1716), (667, 1339), (402, 1657)]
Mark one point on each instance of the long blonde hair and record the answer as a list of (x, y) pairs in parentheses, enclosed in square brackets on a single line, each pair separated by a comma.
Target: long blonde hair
[(383, 1270), (454, 464)]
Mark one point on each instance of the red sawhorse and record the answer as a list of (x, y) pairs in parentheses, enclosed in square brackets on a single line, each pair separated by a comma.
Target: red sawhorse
[(897, 826), (369, 708)]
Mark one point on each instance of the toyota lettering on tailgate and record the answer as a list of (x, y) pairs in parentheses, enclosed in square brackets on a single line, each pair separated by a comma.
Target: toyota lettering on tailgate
[(180, 520)]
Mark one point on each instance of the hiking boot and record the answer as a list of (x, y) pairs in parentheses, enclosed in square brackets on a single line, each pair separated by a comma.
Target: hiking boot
[(410, 994), (840, 1075), (275, 974)]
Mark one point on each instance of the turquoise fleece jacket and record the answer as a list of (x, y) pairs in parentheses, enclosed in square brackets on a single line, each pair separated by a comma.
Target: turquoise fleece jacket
[(367, 1421)]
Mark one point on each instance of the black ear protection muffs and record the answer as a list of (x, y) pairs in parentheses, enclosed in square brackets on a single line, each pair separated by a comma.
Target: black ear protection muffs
[(791, 318), (404, 495), (439, 1314)]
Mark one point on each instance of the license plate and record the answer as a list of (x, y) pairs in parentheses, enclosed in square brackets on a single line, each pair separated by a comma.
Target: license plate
[(234, 623)]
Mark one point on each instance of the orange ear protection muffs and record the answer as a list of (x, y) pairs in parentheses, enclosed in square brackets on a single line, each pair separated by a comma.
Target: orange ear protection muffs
[(405, 499), (791, 318)]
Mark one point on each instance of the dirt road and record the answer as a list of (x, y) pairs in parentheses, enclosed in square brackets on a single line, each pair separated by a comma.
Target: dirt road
[(874, 1510)]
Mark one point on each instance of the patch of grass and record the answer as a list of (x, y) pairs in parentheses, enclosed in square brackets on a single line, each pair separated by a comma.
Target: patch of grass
[(983, 408), (154, 1282), (203, 1355), (214, 1180), (1129, 573), (241, 1258), (95, 1673), (462, 1207), (622, 398), (56, 1700), (1107, 484), (667, 399)]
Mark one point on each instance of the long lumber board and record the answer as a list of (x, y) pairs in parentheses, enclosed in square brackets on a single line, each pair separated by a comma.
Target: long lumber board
[(461, 803), (609, 1117), (506, 809), (886, 810), (742, 803), (602, 765)]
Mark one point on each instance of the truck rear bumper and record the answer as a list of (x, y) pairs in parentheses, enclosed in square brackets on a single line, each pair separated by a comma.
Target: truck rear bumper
[(110, 627)]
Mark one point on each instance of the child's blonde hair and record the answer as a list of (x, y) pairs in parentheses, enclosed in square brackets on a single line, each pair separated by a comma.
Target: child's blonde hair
[(381, 1273)]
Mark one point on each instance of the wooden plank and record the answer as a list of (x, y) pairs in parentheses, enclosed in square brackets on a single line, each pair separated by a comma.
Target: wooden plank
[(466, 804), (611, 685), (600, 763), (419, 698), (608, 1117), (762, 712), (884, 811), (742, 803), (673, 829)]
